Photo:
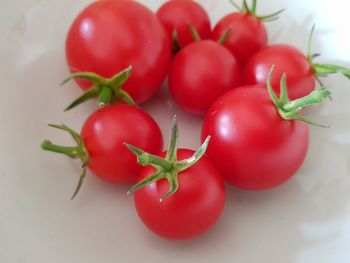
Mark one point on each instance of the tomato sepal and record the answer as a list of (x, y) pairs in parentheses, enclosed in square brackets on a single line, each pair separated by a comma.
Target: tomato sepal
[(323, 70), (194, 33), (108, 90), (251, 10), (290, 109), (169, 167), (176, 43), (74, 152)]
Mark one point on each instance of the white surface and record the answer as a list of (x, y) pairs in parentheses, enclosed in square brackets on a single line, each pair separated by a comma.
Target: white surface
[(306, 220)]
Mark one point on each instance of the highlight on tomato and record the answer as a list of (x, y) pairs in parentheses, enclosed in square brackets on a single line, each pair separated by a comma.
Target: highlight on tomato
[(259, 140), (301, 70), (108, 36), (248, 35), (177, 15), (201, 72), (180, 193), (100, 145)]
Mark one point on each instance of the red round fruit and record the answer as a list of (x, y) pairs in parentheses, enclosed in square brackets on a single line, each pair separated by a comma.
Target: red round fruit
[(192, 210), (109, 35), (248, 35), (251, 144), (104, 134), (178, 15), (287, 59), (200, 73)]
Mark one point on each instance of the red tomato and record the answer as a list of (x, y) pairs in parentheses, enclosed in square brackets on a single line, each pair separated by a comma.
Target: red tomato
[(104, 134), (110, 35), (287, 59), (251, 144), (200, 73), (192, 210), (178, 15), (247, 37)]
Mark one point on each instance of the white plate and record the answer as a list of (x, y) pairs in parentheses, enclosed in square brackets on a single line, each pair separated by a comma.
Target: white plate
[(303, 221)]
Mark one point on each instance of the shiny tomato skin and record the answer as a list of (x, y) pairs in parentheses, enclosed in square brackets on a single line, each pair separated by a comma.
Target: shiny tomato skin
[(287, 59), (110, 35), (200, 73), (104, 134), (248, 35), (179, 14), (253, 147), (192, 210)]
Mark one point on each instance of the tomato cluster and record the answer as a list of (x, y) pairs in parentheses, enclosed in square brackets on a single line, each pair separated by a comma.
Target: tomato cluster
[(250, 94)]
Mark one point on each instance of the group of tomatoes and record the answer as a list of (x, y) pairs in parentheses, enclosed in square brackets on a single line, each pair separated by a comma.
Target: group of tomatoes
[(251, 95)]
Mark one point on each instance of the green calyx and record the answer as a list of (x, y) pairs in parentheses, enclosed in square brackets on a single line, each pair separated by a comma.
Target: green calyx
[(323, 70), (245, 8), (222, 40), (75, 152), (290, 110), (108, 90), (194, 33), (169, 167)]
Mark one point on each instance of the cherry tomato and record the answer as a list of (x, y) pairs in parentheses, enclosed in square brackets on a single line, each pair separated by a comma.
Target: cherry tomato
[(100, 146), (178, 15), (251, 144), (247, 37), (109, 36), (104, 134), (192, 210), (287, 59), (200, 73)]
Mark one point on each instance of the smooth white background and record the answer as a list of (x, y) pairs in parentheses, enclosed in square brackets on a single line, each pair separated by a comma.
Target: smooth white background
[(306, 220)]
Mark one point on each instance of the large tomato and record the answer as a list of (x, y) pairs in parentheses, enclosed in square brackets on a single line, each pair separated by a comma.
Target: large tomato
[(259, 140), (252, 145), (111, 35)]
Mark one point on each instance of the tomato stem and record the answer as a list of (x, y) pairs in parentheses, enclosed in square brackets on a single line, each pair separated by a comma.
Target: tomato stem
[(251, 10), (323, 70), (290, 110), (105, 96), (71, 152), (108, 90), (74, 152), (169, 167)]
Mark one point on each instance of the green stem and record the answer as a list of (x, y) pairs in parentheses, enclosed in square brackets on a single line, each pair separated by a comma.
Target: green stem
[(144, 158), (253, 8), (327, 69), (72, 152), (290, 110), (323, 70), (108, 90), (169, 168), (315, 97), (75, 152), (105, 96)]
